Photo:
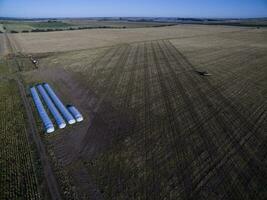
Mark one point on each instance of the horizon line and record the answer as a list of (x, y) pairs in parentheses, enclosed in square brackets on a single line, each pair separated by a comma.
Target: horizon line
[(135, 17)]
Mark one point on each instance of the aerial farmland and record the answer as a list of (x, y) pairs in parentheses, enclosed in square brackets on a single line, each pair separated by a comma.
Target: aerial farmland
[(169, 112)]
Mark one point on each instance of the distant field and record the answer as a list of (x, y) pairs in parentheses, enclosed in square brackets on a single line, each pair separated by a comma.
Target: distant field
[(119, 24), (20, 26), (83, 39), (154, 128), (49, 25), (244, 23), (57, 25)]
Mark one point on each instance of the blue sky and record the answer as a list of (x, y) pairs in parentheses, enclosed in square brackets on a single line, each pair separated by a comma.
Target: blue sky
[(134, 8)]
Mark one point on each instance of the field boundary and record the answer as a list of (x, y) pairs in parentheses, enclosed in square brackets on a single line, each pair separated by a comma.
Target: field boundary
[(32, 131)]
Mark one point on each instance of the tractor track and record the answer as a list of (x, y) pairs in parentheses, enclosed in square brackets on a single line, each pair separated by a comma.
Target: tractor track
[(204, 98), (108, 86), (123, 104), (211, 153), (184, 168), (148, 126), (226, 126), (130, 84), (122, 126), (193, 113), (225, 101), (147, 118), (107, 58)]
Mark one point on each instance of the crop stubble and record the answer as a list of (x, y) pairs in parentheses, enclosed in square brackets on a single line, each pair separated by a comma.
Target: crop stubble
[(170, 132), (159, 130)]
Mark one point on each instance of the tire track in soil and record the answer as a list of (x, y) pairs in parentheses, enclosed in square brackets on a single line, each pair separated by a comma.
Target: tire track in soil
[(147, 122), (223, 171), (81, 175), (132, 79), (219, 95), (228, 56), (147, 119), (121, 129), (125, 101), (100, 58), (152, 187), (120, 134), (193, 113), (103, 115), (106, 61), (203, 134), (233, 76), (152, 183), (252, 162), (140, 63), (111, 79), (195, 85), (225, 102), (99, 110), (124, 104), (106, 58), (184, 167)]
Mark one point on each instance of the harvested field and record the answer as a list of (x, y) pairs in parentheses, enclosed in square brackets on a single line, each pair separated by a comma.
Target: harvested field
[(155, 129), (84, 39)]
